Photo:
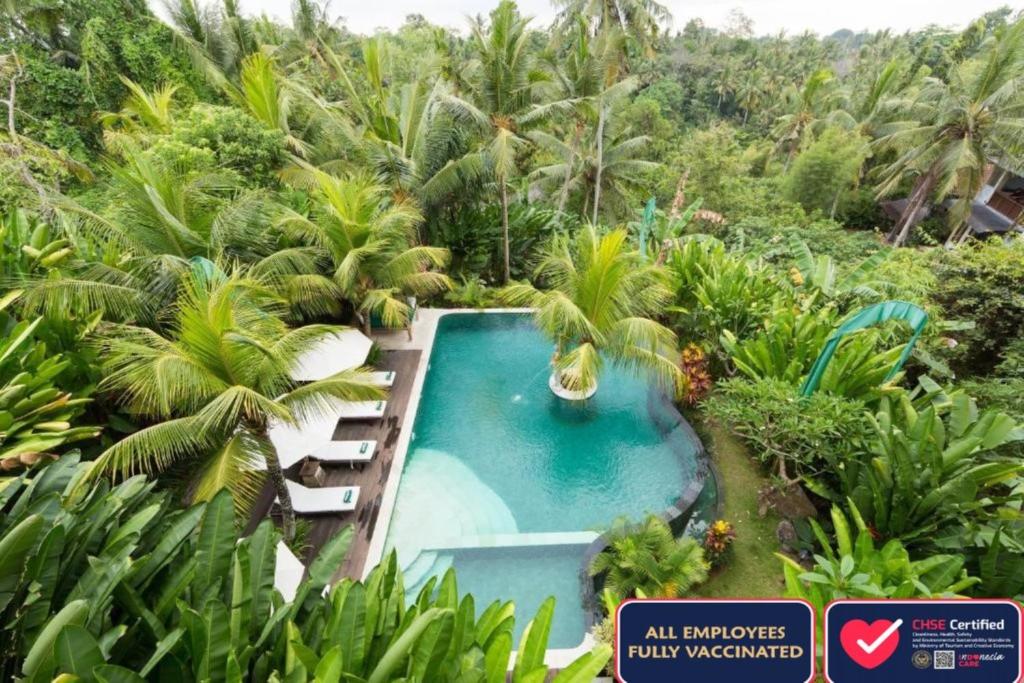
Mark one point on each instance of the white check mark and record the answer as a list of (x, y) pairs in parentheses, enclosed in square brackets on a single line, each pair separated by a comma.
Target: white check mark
[(880, 639)]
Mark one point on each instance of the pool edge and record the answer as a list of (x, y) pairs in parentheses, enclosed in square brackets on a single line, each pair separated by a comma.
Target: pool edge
[(424, 332)]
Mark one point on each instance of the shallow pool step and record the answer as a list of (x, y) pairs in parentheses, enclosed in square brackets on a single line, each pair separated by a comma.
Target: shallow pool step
[(440, 502), (442, 563), (419, 567)]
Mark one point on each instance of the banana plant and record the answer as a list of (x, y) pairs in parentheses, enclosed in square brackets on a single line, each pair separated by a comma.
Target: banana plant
[(371, 636), (822, 274), (118, 580), (36, 412), (117, 584), (665, 231), (27, 245), (854, 568)]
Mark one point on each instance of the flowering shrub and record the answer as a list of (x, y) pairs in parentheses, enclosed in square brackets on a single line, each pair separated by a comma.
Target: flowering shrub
[(717, 541), (696, 378)]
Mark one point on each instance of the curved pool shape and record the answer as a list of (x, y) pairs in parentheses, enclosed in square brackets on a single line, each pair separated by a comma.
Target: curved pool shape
[(510, 485)]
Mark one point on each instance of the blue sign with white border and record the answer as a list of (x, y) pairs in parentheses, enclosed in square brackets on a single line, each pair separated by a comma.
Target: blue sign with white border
[(923, 640), (769, 641)]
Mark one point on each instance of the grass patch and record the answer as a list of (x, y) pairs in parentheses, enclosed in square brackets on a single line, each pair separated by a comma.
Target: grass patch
[(752, 571)]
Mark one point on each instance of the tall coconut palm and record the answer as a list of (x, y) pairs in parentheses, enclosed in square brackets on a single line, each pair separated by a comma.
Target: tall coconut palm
[(641, 20), (621, 169), (647, 561), (502, 106), (403, 132), (750, 91), (865, 109), (586, 78), (807, 108), (215, 383), (369, 240), (601, 302), (954, 127)]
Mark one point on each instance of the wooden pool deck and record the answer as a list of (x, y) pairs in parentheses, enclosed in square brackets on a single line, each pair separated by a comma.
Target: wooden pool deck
[(371, 479)]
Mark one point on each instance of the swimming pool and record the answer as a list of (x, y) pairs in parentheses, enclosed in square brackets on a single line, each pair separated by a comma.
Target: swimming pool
[(511, 485)]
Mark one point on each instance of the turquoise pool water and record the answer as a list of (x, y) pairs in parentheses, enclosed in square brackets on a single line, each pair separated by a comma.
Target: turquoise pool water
[(509, 484)]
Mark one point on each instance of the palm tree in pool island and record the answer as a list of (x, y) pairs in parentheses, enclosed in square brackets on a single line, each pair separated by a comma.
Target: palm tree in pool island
[(599, 303), (213, 384)]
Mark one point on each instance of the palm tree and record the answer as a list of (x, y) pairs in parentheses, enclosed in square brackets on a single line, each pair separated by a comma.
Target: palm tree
[(641, 20), (600, 304), (216, 39), (621, 169), (586, 78), (369, 241), (159, 217), (647, 561), (807, 108), (504, 89), (955, 127), (144, 111), (403, 133), (750, 92), (216, 382), (725, 85), (866, 108), (269, 97)]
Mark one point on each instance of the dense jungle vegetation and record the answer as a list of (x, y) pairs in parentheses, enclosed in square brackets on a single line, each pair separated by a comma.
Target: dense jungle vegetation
[(186, 206)]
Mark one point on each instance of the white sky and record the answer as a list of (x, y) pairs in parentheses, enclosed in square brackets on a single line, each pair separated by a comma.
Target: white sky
[(770, 16)]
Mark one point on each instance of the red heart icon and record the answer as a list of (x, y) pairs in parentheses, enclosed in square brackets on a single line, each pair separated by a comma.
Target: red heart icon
[(869, 644)]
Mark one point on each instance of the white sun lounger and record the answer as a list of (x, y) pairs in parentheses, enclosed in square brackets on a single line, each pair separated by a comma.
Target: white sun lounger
[(288, 572), (341, 452), (383, 378), (362, 410), (327, 500)]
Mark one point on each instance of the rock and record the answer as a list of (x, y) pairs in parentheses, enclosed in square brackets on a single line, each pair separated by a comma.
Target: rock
[(788, 538), (790, 502)]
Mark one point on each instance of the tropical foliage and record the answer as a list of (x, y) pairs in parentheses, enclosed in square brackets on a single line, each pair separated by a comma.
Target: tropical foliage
[(188, 205), (36, 411), (599, 302), (930, 460), (122, 584), (217, 382), (854, 567), (647, 561)]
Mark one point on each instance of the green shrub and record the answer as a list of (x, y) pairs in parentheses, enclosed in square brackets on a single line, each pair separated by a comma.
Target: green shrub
[(236, 140), (472, 293), (796, 436), (860, 210), (983, 282), (769, 238), (855, 568), (825, 170), (647, 561)]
